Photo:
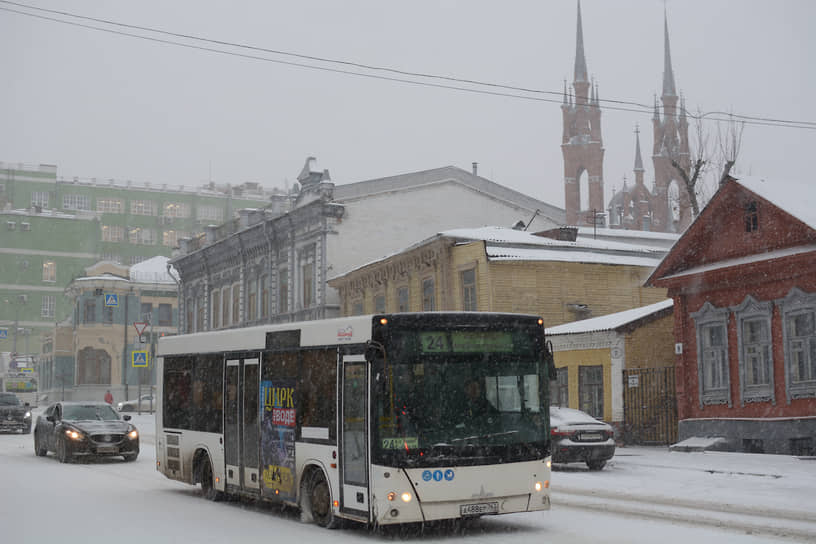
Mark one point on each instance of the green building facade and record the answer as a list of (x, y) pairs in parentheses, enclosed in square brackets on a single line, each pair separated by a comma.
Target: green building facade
[(51, 229)]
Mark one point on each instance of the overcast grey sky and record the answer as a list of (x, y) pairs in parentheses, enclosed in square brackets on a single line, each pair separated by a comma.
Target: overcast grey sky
[(103, 105)]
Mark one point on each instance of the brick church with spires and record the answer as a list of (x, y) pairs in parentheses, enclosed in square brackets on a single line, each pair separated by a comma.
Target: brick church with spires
[(663, 208)]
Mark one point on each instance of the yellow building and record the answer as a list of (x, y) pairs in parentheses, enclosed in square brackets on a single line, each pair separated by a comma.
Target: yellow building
[(119, 313), (620, 368), (493, 269)]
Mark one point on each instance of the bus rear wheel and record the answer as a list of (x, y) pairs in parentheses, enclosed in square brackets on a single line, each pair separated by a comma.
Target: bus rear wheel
[(320, 502), (208, 490)]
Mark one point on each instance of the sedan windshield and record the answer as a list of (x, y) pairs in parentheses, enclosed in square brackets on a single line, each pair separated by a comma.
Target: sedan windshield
[(89, 412)]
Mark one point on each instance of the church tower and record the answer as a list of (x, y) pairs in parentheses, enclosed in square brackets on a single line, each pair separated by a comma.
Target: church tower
[(581, 143), (671, 211)]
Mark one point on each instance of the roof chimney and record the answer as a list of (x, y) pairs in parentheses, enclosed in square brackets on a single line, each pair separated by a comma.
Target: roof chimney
[(564, 234), (475, 168)]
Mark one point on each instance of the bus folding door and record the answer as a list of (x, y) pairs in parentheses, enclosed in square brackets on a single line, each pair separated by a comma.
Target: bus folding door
[(354, 435), (241, 432)]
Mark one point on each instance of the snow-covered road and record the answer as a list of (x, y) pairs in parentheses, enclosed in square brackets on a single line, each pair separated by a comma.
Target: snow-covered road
[(644, 494)]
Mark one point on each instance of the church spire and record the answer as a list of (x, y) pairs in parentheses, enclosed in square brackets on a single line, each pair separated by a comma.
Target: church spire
[(638, 159), (580, 60), (668, 73)]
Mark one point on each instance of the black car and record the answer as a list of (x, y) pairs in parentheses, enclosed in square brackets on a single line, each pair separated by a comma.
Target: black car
[(14, 415), (81, 429), (579, 437)]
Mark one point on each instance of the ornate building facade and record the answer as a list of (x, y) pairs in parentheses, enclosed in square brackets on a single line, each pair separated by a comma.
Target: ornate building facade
[(663, 208)]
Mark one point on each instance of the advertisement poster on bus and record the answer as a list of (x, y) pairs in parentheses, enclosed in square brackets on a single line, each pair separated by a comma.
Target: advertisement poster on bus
[(278, 438)]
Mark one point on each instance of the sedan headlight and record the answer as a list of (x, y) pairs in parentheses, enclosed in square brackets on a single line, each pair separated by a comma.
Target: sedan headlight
[(27, 415), (133, 433), (73, 435)]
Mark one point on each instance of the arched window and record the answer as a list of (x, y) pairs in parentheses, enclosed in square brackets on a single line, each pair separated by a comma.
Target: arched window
[(583, 189)]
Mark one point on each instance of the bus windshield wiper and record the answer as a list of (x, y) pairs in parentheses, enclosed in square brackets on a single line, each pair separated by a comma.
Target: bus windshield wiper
[(482, 436)]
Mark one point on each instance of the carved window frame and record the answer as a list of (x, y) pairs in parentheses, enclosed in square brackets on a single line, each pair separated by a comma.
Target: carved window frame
[(707, 317), (796, 303), (753, 311)]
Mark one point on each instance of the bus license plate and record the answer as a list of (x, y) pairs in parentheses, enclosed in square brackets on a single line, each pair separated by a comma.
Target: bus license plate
[(479, 508)]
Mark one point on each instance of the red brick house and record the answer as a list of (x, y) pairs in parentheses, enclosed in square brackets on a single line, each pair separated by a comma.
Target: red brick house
[(743, 280)]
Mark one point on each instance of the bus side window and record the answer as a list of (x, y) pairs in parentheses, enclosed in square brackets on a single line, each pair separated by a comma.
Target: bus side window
[(317, 390)]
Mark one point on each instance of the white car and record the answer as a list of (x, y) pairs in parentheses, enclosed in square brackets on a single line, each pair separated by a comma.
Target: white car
[(146, 403), (579, 437)]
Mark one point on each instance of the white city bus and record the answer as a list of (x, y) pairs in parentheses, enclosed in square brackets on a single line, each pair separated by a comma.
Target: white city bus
[(381, 419)]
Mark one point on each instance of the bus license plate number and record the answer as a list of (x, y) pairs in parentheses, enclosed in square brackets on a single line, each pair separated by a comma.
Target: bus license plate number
[(479, 508)]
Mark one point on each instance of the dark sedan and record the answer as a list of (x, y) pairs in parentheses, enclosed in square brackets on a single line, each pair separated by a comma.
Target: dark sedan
[(579, 437), (14, 415), (82, 429)]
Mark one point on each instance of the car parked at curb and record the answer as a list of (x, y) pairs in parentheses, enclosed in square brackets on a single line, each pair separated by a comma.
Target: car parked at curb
[(14, 415), (145, 403), (579, 437), (85, 429)]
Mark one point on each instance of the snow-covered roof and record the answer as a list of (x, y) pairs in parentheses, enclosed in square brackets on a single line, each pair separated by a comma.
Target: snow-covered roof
[(501, 253), (627, 233), (106, 277), (748, 259), (506, 244), (352, 191), (609, 322), (507, 235), (790, 196), (153, 270)]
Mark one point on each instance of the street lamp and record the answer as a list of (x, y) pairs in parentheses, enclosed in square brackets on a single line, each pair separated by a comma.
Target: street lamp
[(17, 301)]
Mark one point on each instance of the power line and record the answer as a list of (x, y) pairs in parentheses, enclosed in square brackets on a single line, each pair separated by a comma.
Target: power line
[(610, 104)]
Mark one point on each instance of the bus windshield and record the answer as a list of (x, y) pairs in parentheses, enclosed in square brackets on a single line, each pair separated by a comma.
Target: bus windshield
[(445, 397)]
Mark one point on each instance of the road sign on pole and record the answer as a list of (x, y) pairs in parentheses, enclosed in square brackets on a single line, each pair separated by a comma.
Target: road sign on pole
[(140, 328), (3, 334), (139, 359), (111, 299)]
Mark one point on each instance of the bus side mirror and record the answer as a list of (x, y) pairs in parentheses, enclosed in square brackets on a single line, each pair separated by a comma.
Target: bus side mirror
[(550, 360)]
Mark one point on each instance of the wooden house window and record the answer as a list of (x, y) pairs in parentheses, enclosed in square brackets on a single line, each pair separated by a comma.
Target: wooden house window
[(799, 332), (712, 355), (755, 355)]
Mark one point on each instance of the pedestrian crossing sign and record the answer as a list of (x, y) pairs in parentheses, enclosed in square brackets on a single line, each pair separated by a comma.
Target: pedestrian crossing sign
[(139, 359), (3, 334), (111, 299)]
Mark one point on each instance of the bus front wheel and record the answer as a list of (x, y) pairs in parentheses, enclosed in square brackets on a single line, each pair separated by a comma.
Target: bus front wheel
[(320, 501)]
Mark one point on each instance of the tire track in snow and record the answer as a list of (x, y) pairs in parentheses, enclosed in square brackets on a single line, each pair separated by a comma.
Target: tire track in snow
[(753, 520)]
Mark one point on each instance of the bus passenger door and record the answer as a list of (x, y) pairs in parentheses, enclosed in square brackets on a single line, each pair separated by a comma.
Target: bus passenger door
[(250, 431), (232, 440), (241, 434), (354, 437)]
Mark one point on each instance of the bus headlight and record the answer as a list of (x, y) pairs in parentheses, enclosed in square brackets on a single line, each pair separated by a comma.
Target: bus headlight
[(391, 496), (538, 486), (406, 497)]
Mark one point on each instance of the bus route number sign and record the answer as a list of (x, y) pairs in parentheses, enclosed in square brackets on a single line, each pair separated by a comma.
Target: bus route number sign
[(466, 342)]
